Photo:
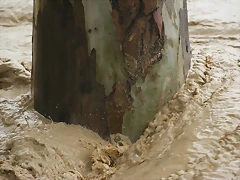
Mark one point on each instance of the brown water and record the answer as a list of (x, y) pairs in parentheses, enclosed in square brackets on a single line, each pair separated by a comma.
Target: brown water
[(196, 136)]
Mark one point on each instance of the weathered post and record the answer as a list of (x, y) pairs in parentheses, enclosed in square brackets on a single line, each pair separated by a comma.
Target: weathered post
[(109, 65)]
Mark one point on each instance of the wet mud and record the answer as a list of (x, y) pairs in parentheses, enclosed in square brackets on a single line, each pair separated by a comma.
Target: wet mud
[(195, 136)]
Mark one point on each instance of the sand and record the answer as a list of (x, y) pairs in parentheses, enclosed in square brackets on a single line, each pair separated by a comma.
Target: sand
[(195, 136)]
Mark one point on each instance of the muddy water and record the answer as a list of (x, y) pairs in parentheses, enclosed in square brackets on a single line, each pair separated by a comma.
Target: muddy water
[(196, 136)]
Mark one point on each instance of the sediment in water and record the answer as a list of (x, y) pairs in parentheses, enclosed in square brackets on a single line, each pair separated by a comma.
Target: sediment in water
[(195, 136)]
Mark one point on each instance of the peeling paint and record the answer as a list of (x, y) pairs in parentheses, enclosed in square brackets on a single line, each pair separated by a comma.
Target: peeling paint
[(167, 74), (109, 57)]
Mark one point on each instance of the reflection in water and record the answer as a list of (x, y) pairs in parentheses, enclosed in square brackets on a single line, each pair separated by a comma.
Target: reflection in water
[(199, 141)]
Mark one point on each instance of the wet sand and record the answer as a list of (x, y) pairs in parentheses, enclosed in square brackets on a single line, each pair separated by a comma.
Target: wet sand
[(195, 136)]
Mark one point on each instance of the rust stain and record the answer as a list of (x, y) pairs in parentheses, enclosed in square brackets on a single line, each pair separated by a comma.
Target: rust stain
[(149, 6), (158, 19), (111, 95), (139, 31)]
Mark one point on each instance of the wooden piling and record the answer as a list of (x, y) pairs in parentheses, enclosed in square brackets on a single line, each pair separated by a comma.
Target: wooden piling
[(108, 65)]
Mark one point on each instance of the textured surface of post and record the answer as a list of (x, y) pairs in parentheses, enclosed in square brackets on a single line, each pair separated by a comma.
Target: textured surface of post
[(108, 65)]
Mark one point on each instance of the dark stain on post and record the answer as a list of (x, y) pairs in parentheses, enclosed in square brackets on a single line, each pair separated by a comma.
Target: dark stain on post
[(65, 86), (185, 37)]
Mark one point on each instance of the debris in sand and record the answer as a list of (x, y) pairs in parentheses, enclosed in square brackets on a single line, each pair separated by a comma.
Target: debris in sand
[(12, 77), (104, 159), (27, 67)]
